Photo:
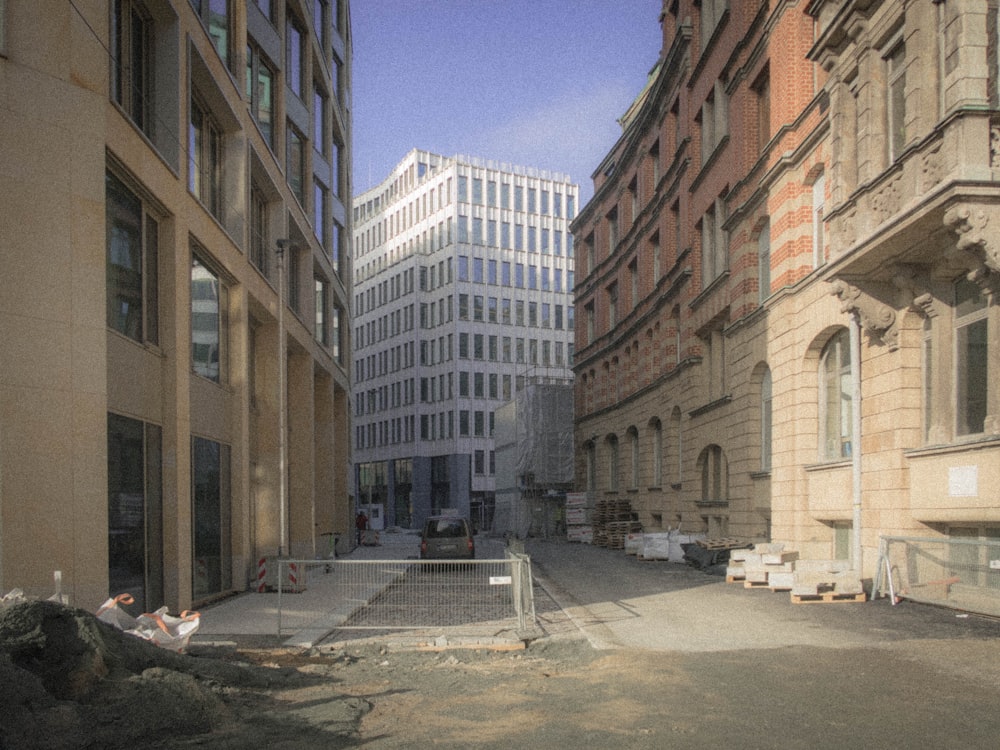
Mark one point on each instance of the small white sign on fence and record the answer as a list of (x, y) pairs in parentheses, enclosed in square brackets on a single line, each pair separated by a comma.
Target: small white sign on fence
[(500, 580)]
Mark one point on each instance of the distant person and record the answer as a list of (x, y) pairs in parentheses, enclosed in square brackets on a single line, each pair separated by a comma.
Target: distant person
[(361, 522)]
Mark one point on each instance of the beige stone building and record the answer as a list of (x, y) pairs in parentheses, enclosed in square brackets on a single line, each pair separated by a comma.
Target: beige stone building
[(786, 300), (174, 355)]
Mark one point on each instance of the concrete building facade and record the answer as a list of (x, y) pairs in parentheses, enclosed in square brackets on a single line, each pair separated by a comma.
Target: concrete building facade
[(463, 278), (175, 306), (786, 288)]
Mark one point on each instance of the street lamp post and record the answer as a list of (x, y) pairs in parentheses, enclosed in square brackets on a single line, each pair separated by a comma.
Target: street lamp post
[(282, 363)]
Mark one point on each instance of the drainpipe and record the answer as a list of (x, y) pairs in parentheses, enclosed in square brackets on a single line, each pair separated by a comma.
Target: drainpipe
[(855, 340)]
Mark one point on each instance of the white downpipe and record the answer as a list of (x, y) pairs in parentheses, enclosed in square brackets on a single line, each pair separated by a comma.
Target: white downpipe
[(855, 340)]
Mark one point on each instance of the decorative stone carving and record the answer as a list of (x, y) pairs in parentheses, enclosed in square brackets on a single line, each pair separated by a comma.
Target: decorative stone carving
[(876, 318), (914, 284), (973, 249), (931, 167), (886, 201)]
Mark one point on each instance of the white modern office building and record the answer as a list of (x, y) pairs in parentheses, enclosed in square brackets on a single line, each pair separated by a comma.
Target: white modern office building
[(463, 280)]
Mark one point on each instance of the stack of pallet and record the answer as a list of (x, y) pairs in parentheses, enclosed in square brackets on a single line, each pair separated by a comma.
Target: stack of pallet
[(763, 566), (613, 520), (578, 518)]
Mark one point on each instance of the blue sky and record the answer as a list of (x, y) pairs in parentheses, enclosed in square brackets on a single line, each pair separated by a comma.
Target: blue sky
[(537, 83)]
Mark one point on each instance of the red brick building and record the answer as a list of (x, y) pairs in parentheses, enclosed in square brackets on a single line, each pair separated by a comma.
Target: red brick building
[(745, 277)]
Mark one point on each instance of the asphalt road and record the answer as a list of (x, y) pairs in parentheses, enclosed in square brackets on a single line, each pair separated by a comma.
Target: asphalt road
[(760, 671)]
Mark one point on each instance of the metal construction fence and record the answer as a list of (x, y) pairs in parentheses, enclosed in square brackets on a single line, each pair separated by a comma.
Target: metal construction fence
[(960, 573), (456, 596)]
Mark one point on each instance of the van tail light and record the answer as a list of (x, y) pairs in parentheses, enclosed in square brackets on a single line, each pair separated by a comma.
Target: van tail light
[(423, 545), (472, 545)]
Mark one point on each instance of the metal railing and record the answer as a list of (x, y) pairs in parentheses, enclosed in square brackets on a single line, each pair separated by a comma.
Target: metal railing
[(962, 574), (463, 596)]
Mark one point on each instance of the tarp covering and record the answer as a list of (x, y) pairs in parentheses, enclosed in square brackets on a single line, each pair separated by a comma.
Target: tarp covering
[(533, 440)]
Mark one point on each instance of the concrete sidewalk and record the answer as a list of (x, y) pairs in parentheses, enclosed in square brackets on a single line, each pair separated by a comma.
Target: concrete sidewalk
[(307, 618), (255, 615)]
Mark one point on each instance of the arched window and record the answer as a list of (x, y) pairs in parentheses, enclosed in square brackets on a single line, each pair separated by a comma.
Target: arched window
[(675, 444), (591, 455), (765, 420), (612, 462), (633, 442), (656, 435), (714, 475), (835, 397)]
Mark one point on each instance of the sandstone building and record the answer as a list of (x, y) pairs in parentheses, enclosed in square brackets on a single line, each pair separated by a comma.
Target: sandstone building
[(788, 325), (156, 157)]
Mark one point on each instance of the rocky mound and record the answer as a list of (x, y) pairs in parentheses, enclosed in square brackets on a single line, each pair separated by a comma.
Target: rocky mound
[(70, 680)]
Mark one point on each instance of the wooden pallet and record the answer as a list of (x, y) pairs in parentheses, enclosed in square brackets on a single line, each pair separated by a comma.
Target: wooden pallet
[(828, 597), (728, 543), (756, 585), (735, 579)]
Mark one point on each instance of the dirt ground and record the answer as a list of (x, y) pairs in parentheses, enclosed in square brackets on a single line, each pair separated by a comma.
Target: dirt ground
[(69, 681)]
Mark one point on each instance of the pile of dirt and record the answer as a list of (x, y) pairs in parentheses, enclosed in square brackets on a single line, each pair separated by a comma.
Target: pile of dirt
[(70, 680)]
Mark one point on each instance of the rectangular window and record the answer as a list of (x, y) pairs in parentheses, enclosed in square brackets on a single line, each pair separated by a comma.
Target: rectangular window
[(319, 119), (259, 231), (531, 200), (518, 198), (896, 98), (295, 164), (319, 211), (971, 357), (322, 302), (463, 188), (477, 191), (215, 17), (211, 518), (295, 56), (135, 510), (132, 238), (477, 231), (131, 58), (260, 92), (205, 158), (320, 23), (209, 327)]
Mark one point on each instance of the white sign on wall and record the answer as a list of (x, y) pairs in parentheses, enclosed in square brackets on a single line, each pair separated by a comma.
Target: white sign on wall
[(963, 481)]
